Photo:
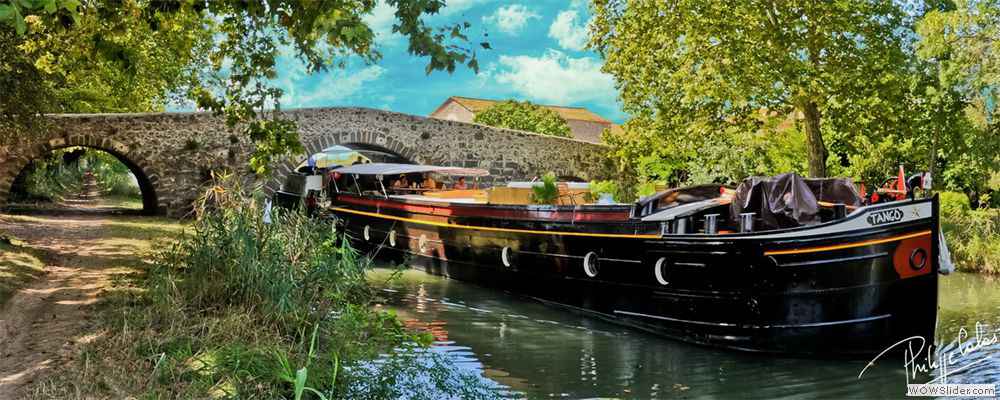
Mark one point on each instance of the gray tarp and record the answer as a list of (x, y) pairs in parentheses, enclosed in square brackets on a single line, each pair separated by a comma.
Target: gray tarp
[(789, 200)]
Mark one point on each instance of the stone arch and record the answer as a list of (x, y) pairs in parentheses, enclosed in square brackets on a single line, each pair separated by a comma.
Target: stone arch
[(136, 161), (369, 138)]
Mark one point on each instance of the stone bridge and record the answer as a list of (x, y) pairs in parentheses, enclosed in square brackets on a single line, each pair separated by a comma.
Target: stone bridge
[(173, 155)]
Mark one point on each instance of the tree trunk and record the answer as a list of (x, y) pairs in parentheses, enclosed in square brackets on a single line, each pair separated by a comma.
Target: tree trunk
[(814, 140), (933, 157)]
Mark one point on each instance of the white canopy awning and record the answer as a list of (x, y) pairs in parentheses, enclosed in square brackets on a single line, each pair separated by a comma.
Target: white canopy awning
[(399, 169)]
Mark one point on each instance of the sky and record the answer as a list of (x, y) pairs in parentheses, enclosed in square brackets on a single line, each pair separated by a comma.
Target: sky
[(537, 54)]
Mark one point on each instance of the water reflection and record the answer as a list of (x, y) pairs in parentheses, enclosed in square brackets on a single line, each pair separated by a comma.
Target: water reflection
[(968, 330), (540, 351)]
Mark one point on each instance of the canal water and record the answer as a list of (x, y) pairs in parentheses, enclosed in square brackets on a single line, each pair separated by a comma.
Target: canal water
[(536, 351)]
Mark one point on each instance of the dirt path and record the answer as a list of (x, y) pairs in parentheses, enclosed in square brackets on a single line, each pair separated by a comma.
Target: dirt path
[(43, 325)]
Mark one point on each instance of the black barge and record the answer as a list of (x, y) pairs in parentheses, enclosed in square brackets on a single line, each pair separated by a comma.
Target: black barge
[(783, 265)]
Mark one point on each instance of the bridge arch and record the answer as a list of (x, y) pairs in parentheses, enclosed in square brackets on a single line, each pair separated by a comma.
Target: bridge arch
[(138, 165)]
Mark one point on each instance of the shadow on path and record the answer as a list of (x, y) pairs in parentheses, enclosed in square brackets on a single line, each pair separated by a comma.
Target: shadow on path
[(86, 248)]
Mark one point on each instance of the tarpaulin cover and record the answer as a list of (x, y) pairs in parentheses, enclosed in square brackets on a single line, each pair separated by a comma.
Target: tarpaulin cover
[(789, 200)]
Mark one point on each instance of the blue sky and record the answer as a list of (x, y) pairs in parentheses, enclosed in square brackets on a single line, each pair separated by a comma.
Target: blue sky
[(537, 54)]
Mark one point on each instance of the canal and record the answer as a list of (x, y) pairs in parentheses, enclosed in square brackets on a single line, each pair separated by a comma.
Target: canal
[(537, 351)]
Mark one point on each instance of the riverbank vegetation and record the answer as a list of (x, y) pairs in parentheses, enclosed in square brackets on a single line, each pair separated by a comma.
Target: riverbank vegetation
[(973, 235), (240, 307)]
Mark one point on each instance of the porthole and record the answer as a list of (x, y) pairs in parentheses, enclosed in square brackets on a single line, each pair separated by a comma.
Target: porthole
[(590, 264), (918, 259), (392, 238), (422, 243), (367, 233), (660, 271), (505, 257)]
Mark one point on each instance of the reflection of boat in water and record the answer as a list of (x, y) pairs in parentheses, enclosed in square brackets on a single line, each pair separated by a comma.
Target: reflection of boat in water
[(785, 265)]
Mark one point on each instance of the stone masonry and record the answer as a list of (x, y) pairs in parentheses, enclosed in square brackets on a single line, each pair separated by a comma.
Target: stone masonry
[(173, 155)]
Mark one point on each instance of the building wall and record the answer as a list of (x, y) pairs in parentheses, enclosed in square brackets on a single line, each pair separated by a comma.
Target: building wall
[(454, 112)]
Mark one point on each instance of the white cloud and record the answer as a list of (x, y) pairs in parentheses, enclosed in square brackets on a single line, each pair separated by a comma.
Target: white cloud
[(381, 20), (456, 6), (334, 87), (511, 19), (569, 31), (557, 78)]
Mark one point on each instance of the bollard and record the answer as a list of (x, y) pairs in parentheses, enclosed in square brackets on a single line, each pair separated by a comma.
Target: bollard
[(746, 222), (711, 224), (681, 225), (839, 211)]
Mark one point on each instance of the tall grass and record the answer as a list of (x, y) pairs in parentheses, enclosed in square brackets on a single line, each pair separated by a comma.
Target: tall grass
[(290, 269), (269, 310)]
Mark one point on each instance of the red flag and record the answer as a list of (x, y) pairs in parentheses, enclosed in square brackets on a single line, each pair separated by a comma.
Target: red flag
[(901, 184)]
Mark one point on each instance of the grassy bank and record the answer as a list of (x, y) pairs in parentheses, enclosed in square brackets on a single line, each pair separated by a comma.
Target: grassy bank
[(237, 308), (19, 265), (973, 235)]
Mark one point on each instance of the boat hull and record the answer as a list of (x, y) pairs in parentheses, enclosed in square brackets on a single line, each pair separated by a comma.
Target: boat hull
[(847, 289)]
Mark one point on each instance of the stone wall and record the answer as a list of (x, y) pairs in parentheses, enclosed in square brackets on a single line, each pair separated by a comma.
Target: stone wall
[(174, 154)]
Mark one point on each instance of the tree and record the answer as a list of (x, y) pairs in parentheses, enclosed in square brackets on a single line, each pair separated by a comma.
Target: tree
[(525, 116), (228, 73), (961, 41), (964, 40), (108, 59), (697, 66)]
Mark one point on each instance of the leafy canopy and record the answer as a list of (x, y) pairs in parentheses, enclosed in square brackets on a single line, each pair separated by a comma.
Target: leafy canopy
[(221, 54), (525, 116), (697, 67)]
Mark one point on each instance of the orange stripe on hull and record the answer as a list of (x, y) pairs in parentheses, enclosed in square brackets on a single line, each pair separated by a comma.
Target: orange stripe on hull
[(847, 245)]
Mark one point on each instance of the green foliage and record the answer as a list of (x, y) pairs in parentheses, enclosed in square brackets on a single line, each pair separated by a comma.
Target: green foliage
[(548, 192), (49, 180), (599, 187), (525, 116), (696, 68), (645, 189), (954, 205), (12, 14), (962, 39), (973, 236), (113, 177), (96, 57), (299, 377)]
